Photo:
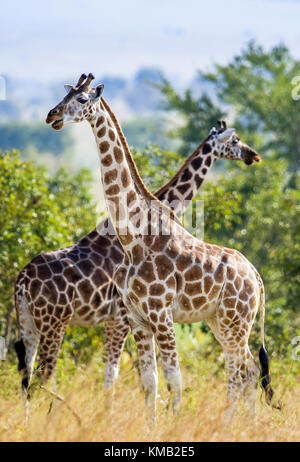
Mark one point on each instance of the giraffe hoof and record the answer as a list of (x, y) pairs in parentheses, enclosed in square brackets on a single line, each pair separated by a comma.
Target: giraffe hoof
[(278, 406)]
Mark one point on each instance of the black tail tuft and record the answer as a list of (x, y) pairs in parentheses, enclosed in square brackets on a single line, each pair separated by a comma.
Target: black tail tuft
[(20, 350), (265, 374)]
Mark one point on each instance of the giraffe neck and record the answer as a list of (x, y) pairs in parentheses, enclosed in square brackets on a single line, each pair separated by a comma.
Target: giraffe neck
[(127, 198), (181, 189)]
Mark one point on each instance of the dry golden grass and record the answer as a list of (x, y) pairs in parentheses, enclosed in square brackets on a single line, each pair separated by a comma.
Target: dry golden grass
[(200, 418)]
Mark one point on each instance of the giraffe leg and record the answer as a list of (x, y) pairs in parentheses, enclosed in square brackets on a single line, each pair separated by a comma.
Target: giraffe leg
[(240, 365), (236, 366), (253, 375), (50, 345), (165, 337), (116, 331), (146, 351)]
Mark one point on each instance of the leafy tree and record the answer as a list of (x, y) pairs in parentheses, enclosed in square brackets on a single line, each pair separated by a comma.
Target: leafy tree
[(258, 84), (256, 90), (156, 166), (199, 116)]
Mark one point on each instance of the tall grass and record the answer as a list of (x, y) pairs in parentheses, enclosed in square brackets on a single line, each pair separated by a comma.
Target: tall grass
[(200, 419)]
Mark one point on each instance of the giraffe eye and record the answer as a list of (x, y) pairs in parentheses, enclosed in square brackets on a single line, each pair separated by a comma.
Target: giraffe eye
[(235, 141), (82, 100)]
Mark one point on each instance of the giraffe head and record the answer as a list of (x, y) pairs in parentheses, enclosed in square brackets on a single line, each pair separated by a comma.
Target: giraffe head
[(225, 143), (80, 103)]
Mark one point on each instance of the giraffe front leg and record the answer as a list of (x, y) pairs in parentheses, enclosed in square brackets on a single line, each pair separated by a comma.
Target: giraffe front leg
[(116, 331), (165, 337), (148, 368), (146, 351), (111, 363)]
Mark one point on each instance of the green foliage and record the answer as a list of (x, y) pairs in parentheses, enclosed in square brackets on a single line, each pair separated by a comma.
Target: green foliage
[(258, 84), (156, 166), (81, 344), (37, 213)]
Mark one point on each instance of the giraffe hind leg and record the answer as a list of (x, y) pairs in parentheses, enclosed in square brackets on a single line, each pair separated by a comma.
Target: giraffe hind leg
[(50, 346), (251, 388), (116, 331), (146, 351), (240, 366), (167, 347)]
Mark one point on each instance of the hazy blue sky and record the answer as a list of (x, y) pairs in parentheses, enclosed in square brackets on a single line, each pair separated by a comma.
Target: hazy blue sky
[(62, 38)]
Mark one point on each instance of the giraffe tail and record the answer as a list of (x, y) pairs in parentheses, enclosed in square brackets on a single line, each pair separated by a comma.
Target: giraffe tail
[(19, 344), (265, 377)]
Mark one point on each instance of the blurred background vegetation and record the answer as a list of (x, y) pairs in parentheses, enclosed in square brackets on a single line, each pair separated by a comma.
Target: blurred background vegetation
[(255, 210)]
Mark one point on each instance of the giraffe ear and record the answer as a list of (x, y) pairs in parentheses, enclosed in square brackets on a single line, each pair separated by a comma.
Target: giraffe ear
[(68, 87), (98, 92)]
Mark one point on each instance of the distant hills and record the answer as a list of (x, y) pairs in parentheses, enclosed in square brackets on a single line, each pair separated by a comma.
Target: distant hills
[(30, 100)]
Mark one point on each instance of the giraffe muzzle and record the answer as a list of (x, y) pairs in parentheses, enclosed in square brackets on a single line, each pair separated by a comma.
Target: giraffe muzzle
[(54, 118), (58, 124), (249, 156)]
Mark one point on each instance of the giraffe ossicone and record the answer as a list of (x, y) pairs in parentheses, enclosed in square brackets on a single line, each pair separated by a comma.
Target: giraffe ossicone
[(162, 278)]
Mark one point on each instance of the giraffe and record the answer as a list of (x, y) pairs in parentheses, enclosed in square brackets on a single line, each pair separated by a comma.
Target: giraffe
[(79, 278), (167, 275), (141, 259)]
